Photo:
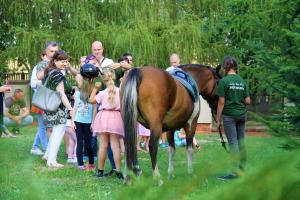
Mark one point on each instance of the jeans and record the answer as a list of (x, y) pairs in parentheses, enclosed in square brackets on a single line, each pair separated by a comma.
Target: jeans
[(84, 137), (41, 135), (234, 128), (25, 121)]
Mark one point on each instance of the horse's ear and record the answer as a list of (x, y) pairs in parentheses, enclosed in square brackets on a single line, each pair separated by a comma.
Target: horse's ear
[(218, 68)]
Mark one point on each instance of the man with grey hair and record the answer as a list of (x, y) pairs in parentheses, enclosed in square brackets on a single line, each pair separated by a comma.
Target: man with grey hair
[(41, 136)]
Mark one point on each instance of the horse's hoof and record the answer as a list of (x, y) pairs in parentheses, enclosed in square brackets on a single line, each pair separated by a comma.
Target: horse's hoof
[(127, 180), (171, 176), (160, 183)]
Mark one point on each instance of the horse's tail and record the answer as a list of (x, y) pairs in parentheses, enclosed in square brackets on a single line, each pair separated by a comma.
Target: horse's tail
[(130, 114)]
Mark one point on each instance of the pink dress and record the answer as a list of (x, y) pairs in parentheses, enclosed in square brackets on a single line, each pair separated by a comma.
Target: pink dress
[(108, 118), (143, 131)]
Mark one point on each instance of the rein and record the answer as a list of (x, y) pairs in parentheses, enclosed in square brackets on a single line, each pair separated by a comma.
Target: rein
[(216, 80), (221, 135)]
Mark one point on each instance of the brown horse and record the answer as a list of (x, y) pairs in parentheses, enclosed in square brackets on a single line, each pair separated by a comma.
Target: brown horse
[(154, 98)]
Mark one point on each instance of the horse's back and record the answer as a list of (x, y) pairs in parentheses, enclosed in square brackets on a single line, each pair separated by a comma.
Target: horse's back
[(156, 92), (164, 99)]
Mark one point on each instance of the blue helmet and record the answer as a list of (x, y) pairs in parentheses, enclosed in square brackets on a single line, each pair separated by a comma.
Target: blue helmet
[(89, 71)]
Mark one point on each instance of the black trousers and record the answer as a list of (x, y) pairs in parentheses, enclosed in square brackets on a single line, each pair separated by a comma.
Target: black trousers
[(84, 137)]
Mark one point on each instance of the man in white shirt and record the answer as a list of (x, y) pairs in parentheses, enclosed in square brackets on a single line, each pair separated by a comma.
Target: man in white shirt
[(97, 51), (41, 136), (174, 62)]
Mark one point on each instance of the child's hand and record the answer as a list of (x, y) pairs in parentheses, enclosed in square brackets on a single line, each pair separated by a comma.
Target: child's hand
[(97, 85)]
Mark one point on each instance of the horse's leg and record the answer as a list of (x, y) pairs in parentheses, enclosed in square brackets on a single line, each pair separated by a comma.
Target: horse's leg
[(153, 146), (170, 137), (190, 132)]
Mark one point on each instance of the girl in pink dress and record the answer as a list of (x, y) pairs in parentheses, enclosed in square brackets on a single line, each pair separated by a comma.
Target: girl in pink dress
[(145, 133), (108, 122)]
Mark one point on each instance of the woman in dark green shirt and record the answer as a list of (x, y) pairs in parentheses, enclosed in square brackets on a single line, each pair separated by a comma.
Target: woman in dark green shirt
[(233, 98)]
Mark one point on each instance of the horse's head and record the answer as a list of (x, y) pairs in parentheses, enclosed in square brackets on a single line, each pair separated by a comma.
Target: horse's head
[(207, 79)]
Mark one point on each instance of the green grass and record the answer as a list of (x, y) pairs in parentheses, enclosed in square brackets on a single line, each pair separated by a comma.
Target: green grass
[(272, 173)]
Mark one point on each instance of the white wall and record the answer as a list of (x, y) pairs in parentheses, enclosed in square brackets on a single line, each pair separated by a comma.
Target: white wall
[(205, 112)]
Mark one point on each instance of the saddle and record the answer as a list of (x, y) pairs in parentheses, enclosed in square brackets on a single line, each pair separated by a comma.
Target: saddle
[(187, 81)]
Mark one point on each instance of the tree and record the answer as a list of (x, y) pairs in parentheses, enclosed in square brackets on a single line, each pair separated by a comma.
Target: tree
[(262, 35)]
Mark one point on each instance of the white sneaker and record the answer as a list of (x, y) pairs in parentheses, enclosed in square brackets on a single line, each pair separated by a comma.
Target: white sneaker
[(37, 152), (70, 161), (75, 160)]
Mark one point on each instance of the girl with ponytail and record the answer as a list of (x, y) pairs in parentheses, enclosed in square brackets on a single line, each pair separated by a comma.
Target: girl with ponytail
[(108, 124)]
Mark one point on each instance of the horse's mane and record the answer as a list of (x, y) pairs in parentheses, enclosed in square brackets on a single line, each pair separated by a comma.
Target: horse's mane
[(194, 65), (214, 70)]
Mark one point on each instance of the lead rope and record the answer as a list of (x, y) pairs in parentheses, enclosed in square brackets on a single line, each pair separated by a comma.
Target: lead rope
[(221, 135), (219, 128)]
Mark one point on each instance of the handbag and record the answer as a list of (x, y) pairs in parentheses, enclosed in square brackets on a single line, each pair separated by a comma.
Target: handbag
[(45, 98)]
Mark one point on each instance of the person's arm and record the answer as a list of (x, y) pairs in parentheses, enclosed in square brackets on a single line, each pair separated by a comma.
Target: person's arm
[(60, 88), (94, 115), (34, 81), (24, 113), (220, 108), (4, 88), (94, 111), (74, 116), (40, 74), (79, 80), (126, 66), (81, 61), (115, 65), (72, 70), (10, 116), (94, 91)]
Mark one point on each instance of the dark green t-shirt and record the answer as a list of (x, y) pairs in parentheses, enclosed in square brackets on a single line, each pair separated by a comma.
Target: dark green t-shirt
[(234, 89), (14, 107)]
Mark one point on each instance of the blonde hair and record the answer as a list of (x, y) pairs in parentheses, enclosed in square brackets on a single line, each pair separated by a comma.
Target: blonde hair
[(108, 78), (85, 90)]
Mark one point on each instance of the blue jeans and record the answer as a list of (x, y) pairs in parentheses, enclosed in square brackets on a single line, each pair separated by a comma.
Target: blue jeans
[(234, 128), (41, 134), (25, 121)]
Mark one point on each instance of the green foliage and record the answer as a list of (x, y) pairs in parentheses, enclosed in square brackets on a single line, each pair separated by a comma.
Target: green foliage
[(272, 172), (262, 35)]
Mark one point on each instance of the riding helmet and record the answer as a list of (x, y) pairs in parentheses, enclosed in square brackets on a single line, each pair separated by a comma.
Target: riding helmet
[(89, 71)]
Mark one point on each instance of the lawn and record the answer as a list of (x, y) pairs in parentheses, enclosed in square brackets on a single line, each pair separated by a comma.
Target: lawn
[(273, 172)]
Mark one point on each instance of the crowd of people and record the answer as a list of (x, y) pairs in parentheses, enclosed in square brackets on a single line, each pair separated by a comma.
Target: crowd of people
[(91, 110)]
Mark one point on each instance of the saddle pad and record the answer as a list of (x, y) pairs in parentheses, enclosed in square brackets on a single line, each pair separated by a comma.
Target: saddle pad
[(187, 81)]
